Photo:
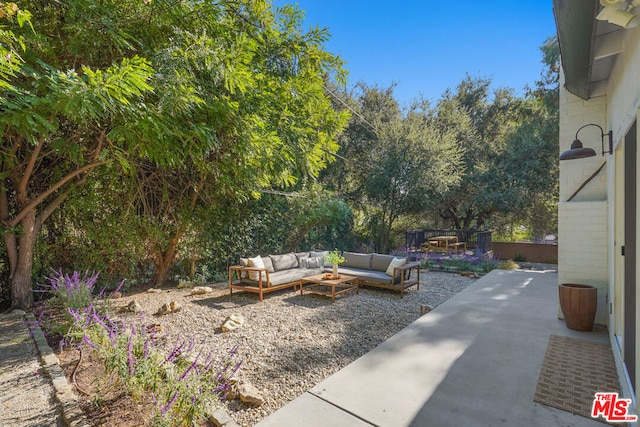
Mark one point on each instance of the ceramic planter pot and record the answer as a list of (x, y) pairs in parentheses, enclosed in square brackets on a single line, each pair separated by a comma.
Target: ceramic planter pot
[(578, 304)]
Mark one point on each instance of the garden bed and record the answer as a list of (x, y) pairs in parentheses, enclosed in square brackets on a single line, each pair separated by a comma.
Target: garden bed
[(289, 343)]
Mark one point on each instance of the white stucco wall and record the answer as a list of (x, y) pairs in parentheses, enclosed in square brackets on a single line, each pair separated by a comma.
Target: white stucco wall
[(582, 248), (575, 113), (623, 89), (583, 221), (591, 227)]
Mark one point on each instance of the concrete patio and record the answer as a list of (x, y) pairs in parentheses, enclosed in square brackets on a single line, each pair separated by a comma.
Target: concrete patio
[(473, 361)]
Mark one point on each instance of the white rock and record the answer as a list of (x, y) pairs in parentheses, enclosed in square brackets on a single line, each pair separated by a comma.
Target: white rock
[(250, 394), (165, 309), (175, 306), (170, 307), (232, 323), (201, 290), (219, 417), (424, 309), (134, 307)]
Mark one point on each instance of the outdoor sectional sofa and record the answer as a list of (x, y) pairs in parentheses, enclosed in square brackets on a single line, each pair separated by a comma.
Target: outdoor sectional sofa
[(270, 273)]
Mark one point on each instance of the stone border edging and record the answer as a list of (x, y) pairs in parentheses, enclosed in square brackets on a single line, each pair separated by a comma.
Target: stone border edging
[(63, 393)]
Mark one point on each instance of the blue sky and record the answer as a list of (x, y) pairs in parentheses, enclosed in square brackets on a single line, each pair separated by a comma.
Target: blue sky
[(428, 46)]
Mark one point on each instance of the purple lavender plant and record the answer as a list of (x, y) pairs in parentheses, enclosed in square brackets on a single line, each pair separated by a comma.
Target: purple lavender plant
[(131, 363)]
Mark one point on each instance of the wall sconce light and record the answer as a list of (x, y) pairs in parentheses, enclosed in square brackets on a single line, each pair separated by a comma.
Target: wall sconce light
[(618, 12), (577, 151)]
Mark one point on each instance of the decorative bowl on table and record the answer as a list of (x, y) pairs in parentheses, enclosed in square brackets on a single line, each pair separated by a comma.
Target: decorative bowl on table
[(330, 276)]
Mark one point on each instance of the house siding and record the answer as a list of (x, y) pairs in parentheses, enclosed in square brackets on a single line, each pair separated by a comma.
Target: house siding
[(575, 113), (591, 226), (582, 248)]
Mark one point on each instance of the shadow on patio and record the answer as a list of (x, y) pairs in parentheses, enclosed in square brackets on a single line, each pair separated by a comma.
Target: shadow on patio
[(474, 360)]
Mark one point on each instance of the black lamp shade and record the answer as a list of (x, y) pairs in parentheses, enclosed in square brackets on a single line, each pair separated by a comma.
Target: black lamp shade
[(577, 151)]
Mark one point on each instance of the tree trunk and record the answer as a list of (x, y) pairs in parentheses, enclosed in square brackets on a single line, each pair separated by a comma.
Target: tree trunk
[(450, 214), (164, 261), (192, 269), (21, 281)]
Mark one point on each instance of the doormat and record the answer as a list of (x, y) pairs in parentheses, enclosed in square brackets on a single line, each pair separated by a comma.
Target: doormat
[(572, 372)]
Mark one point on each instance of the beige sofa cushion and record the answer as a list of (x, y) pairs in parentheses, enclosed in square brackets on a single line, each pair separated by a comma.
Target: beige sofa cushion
[(366, 275), (321, 255), (255, 263), (396, 262), (284, 262), (268, 264), (355, 260), (381, 262)]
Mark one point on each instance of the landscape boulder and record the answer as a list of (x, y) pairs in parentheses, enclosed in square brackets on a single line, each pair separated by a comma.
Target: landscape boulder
[(169, 307), (133, 307), (201, 290), (232, 323), (250, 394)]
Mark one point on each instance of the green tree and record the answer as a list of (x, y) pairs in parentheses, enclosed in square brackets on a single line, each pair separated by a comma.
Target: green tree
[(182, 96), (511, 151), (393, 161), (319, 220), (56, 130), (276, 126), (533, 158), (482, 120)]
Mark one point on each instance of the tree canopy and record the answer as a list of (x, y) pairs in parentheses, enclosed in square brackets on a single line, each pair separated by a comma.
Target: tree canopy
[(185, 98)]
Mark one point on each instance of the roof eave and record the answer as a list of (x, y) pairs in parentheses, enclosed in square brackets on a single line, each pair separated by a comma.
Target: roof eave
[(576, 26)]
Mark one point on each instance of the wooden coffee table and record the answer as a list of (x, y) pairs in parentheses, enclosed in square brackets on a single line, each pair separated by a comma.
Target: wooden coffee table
[(318, 285)]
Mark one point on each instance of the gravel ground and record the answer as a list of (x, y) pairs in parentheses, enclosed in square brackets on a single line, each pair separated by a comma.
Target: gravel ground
[(289, 343), (26, 394)]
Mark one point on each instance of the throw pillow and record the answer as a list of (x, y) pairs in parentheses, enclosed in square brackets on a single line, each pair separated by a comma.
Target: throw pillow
[(303, 261), (268, 264), (396, 262), (315, 262), (244, 262), (319, 254), (255, 263)]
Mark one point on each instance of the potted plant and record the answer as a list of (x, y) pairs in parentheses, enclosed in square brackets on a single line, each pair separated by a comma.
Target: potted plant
[(334, 258)]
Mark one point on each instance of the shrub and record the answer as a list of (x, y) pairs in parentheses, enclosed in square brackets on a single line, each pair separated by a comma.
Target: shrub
[(519, 257), (182, 377), (73, 291), (65, 292), (508, 265), (480, 263)]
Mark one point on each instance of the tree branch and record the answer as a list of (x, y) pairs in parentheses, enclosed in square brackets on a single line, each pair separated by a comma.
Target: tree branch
[(28, 170), (51, 207), (196, 193), (35, 202)]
